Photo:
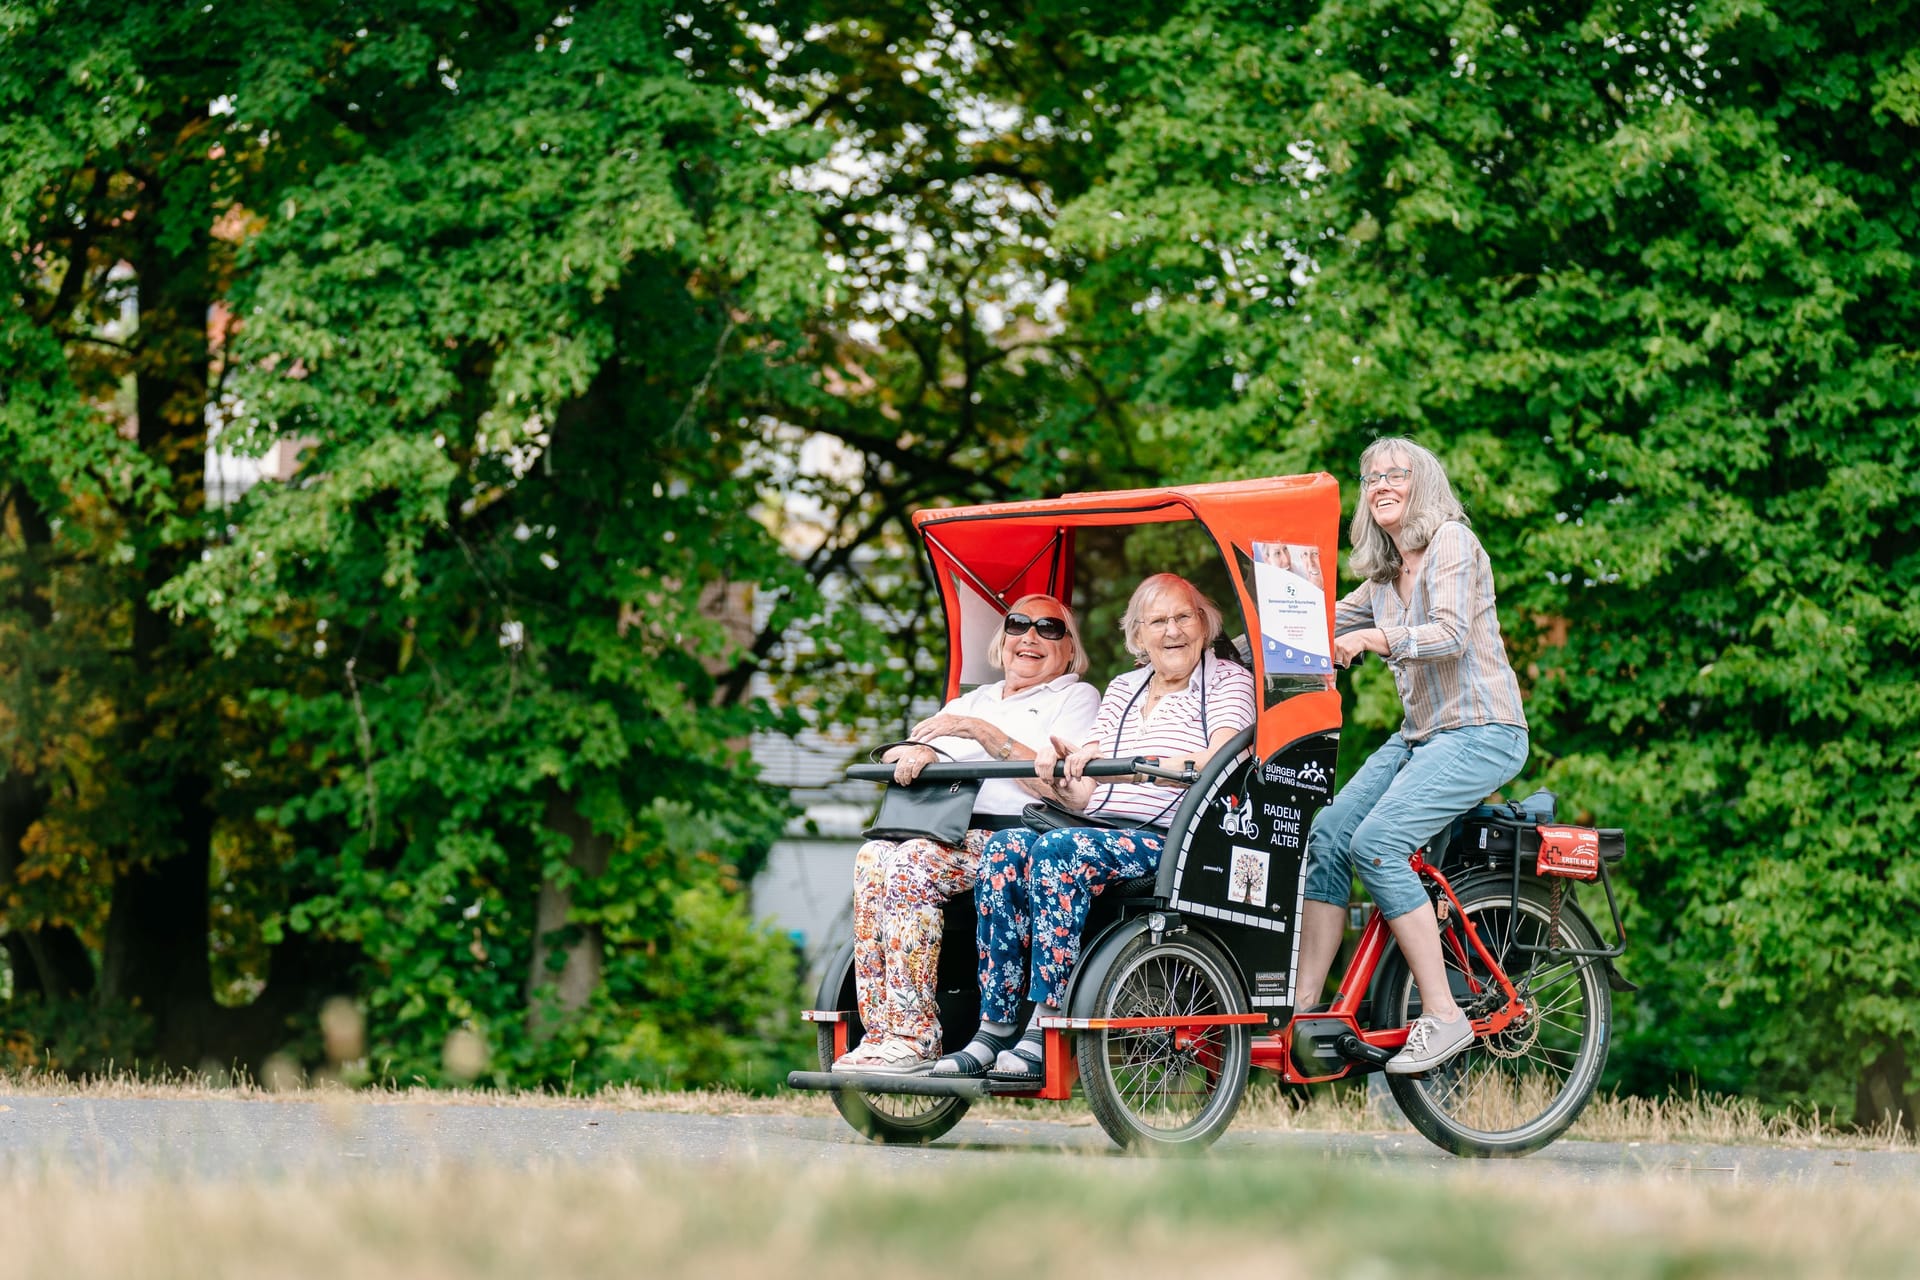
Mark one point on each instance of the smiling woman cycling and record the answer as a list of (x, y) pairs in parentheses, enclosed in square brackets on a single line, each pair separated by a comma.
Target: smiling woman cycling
[(1427, 608)]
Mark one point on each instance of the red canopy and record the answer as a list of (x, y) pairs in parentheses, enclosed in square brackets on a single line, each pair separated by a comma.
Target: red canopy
[(1284, 530)]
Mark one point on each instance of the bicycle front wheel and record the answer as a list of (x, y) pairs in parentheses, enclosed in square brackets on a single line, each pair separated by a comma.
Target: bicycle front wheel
[(884, 1117), (1166, 1089), (1517, 1090)]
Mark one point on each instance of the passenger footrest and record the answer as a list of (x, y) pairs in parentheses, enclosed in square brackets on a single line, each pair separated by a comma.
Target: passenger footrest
[(920, 1086)]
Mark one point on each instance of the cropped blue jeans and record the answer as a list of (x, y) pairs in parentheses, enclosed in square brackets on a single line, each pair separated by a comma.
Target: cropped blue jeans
[(1403, 796)]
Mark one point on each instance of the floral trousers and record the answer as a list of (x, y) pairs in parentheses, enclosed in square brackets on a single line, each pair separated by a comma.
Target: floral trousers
[(898, 889), (1033, 896)]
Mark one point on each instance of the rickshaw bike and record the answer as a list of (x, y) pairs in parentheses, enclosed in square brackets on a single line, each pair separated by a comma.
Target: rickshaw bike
[(1184, 983)]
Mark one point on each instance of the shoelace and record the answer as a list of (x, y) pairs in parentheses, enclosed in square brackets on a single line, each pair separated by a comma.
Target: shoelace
[(1419, 1033)]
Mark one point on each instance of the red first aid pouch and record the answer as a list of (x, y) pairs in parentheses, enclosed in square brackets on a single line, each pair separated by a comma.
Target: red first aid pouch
[(1573, 852)]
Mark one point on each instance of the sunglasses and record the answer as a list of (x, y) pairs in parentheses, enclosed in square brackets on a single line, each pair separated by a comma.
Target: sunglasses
[(1018, 624)]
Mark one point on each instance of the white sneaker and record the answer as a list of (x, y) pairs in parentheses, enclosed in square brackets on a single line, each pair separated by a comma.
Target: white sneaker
[(889, 1058), (1430, 1042), (856, 1058)]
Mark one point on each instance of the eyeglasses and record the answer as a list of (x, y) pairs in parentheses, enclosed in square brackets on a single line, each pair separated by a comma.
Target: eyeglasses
[(1018, 624), (1161, 625), (1392, 475)]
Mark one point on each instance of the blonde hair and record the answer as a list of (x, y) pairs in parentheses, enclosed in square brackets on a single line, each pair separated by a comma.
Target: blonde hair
[(1430, 504), (1152, 589), (1076, 657)]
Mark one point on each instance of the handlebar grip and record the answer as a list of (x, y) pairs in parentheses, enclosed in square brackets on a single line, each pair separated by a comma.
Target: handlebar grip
[(967, 770)]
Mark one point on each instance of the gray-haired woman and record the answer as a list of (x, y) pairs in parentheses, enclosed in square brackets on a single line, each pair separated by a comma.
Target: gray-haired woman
[(899, 886), (1427, 607), (1034, 890)]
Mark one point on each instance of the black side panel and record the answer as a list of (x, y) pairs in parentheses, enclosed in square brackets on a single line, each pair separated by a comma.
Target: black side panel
[(1238, 858)]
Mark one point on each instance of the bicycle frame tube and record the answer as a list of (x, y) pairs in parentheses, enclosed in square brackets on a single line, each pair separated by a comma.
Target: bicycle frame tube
[(1273, 1053)]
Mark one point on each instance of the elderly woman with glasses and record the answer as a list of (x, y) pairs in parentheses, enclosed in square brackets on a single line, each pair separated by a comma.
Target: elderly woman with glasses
[(1034, 891), (899, 886), (1426, 606)]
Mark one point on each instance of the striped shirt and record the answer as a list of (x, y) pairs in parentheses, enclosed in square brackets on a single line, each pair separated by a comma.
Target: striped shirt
[(1174, 733), (1444, 644)]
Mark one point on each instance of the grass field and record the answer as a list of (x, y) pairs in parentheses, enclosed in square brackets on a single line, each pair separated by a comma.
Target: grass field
[(1297, 1215), (1203, 1218)]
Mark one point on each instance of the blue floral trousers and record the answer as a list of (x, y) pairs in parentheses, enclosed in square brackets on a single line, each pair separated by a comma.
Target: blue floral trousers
[(1033, 896)]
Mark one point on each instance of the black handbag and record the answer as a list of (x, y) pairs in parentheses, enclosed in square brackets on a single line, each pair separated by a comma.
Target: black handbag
[(941, 811)]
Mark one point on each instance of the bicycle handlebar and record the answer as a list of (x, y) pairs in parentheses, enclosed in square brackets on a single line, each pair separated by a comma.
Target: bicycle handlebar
[(967, 770)]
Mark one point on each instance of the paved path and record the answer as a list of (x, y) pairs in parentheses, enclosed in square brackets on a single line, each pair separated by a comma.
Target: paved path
[(123, 1140)]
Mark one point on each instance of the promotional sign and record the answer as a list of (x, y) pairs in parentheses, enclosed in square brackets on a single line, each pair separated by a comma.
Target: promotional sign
[(1242, 864), (1291, 594)]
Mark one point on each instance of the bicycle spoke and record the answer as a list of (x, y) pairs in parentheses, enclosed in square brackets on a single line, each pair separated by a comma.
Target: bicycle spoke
[(1161, 1083)]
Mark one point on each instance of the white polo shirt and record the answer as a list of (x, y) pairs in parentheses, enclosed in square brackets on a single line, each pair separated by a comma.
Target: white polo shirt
[(1063, 706)]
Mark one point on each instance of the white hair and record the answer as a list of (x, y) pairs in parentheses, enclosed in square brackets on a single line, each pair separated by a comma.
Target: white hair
[(1152, 589)]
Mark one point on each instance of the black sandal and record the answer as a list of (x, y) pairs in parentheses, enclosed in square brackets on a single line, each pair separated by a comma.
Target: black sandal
[(1032, 1051), (961, 1064)]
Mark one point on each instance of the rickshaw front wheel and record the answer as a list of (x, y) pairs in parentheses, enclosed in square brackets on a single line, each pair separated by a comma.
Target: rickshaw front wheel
[(1160, 1089)]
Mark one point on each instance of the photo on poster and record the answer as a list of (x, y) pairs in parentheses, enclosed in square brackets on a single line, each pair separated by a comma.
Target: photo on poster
[(1291, 590), (1247, 876)]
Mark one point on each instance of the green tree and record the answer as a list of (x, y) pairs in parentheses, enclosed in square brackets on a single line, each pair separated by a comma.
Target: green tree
[(129, 750), (1642, 274), (502, 275)]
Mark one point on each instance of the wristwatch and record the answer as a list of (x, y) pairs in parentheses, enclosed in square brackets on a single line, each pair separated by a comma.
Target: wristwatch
[(1006, 748)]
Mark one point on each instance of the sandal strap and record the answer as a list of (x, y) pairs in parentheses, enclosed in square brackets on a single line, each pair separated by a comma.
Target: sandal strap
[(1032, 1058), (961, 1062)]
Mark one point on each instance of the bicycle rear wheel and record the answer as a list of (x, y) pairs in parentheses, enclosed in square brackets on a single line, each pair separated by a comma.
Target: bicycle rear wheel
[(1519, 1089), (885, 1117)]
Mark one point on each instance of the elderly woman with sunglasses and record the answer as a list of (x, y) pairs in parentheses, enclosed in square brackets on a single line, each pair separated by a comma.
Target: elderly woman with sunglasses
[(899, 886), (1426, 606), (1034, 890)]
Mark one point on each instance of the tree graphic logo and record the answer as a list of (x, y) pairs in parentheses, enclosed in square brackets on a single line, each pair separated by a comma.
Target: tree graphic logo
[(1247, 877)]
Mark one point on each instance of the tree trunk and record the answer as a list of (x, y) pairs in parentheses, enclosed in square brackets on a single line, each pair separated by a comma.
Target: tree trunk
[(1883, 1090), (52, 961), (581, 944), (156, 946)]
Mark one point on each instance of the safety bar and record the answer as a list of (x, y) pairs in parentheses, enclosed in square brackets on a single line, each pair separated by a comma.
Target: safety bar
[(959, 770)]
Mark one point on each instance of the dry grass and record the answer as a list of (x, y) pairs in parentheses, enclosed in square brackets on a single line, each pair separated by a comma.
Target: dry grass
[(1677, 1118), (122, 1084), (1221, 1219)]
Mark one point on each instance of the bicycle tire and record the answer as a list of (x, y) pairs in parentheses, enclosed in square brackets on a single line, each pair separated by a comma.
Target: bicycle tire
[(1515, 1091), (903, 1119), (1149, 1091)]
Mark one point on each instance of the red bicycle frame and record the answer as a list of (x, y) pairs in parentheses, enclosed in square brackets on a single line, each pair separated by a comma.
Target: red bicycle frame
[(1459, 939), (1274, 1052)]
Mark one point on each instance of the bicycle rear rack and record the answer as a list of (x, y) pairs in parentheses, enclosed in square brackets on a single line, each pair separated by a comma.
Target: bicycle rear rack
[(1619, 947)]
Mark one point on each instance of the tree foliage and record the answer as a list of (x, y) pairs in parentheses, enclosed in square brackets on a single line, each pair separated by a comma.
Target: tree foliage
[(618, 340), (1642, 274)]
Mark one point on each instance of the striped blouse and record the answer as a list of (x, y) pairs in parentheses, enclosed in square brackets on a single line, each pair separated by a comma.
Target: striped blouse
[(1444, 643), (1174, 733)]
